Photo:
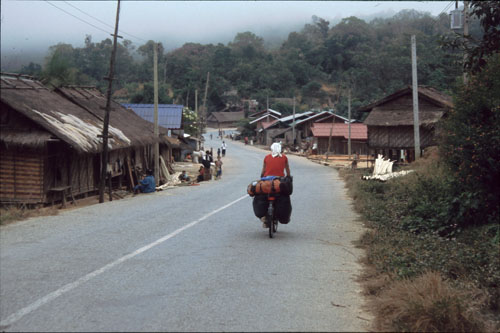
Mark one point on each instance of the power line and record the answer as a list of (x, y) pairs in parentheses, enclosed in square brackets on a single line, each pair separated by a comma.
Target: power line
[(80, 19), (95, 18)]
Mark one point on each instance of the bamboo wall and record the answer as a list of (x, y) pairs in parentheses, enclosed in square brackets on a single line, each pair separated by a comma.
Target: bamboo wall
[(21, 176), (398, 137), (340, 146)]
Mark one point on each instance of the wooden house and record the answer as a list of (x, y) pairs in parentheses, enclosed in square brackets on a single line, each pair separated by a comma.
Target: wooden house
[(224, 119), (390, 121), (339, 138), (49, 143)]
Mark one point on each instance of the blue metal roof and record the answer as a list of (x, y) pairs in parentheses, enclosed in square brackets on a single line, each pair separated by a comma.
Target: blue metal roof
[(169, 115)]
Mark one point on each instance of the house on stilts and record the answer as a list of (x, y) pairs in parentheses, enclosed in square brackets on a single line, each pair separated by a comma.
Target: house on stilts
[(390, 122)]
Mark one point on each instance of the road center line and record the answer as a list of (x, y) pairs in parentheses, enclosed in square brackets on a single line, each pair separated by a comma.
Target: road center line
[(70, 286)]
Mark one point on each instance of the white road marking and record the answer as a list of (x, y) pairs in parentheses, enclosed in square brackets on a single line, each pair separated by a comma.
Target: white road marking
[(70, 286)]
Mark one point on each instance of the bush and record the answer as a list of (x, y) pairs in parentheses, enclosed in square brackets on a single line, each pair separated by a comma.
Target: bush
[(470, 146), (426, 304)]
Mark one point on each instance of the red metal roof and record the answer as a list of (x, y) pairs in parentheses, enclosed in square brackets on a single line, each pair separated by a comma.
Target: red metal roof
[(358, 131)]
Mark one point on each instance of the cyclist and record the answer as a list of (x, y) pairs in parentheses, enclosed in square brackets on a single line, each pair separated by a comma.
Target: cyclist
[(275, 164)]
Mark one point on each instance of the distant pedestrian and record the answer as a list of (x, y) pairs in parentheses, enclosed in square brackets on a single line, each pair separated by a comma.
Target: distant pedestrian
[(223, 148), (355, 161), (218, 167), (218, 152)]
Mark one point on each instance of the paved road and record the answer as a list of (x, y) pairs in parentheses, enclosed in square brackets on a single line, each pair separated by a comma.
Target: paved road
[(189, 259)]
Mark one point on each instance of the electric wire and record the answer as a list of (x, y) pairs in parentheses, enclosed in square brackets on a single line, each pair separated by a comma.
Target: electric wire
[(95, 18), (80, 19)]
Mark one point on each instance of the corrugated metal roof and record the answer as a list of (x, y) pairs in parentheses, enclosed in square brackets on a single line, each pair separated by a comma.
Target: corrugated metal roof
[(169, 115), (297, 115), (358, 131), (264, 116)]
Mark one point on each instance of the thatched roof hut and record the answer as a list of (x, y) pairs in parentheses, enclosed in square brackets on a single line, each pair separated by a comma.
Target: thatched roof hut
[(225, 119), (50, 141), (390, 120)]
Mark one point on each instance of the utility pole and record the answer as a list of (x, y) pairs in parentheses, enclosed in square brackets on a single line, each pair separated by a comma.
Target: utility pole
[(293, 124), (416, 124), (196, 111), (156, 154), (267, 106), (349, 125), (105, 127), (205, 103), (330, 137), (466, 33)]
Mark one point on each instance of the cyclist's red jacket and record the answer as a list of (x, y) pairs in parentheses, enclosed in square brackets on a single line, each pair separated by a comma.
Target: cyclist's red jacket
[(275, 166)]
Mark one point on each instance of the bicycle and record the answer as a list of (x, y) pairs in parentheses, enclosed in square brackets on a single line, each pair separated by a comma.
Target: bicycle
[(271, 219)]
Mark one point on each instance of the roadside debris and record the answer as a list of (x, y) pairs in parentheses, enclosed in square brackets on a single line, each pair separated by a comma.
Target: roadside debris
[(383, 170)]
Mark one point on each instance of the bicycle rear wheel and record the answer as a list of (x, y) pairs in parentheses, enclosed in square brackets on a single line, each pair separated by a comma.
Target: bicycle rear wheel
[(269, 220)]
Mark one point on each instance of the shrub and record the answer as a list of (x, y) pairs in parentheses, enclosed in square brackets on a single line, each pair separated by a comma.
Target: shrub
[(470, 146), (426, 304)]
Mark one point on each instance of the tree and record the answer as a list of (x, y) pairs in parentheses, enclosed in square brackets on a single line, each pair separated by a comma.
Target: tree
[(479, 50), (471, 146)]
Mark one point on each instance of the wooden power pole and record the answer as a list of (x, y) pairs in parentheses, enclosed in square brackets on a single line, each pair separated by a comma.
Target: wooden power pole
[(416, 125), (156, 154), (105, 127), (204, 117), (466, 33), (293, 123), (349, 125)]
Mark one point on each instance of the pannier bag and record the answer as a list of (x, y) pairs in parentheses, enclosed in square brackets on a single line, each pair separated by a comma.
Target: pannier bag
[(264, 187), (282, 204), (281, 185)]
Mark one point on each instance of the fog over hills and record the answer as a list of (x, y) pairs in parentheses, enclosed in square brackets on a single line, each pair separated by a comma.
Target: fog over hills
[(274, 34)]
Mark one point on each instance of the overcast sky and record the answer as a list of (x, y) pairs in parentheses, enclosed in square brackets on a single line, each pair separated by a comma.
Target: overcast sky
[(27, 25)]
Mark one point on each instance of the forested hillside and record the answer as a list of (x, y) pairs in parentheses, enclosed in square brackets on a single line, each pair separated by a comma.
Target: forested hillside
[(314, 64)]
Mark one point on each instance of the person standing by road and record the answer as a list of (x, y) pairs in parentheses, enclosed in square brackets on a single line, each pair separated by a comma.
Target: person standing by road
[(223, 148), (218, 168)]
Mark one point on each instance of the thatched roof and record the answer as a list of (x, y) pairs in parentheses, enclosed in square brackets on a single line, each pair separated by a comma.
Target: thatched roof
[(139, 130), (389, 112), (430, 94), (223, 117), (78, 126), (33, 139), (402, 118)]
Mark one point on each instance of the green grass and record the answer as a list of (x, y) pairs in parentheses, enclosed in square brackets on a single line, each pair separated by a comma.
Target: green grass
[(411, 233)]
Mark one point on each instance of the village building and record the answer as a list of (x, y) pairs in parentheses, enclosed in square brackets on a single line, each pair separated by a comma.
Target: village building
[(268, 112), (169, 118), (281, 129), (337, 134), (50, 145), (224, 119), (390, 122)]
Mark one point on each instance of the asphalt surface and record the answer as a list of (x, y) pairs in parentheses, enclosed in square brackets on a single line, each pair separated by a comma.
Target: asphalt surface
[(189, 259)]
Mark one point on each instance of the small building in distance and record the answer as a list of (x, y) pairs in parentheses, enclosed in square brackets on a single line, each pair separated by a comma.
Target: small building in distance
[(225, 119), (339, 138), (390, 121)]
